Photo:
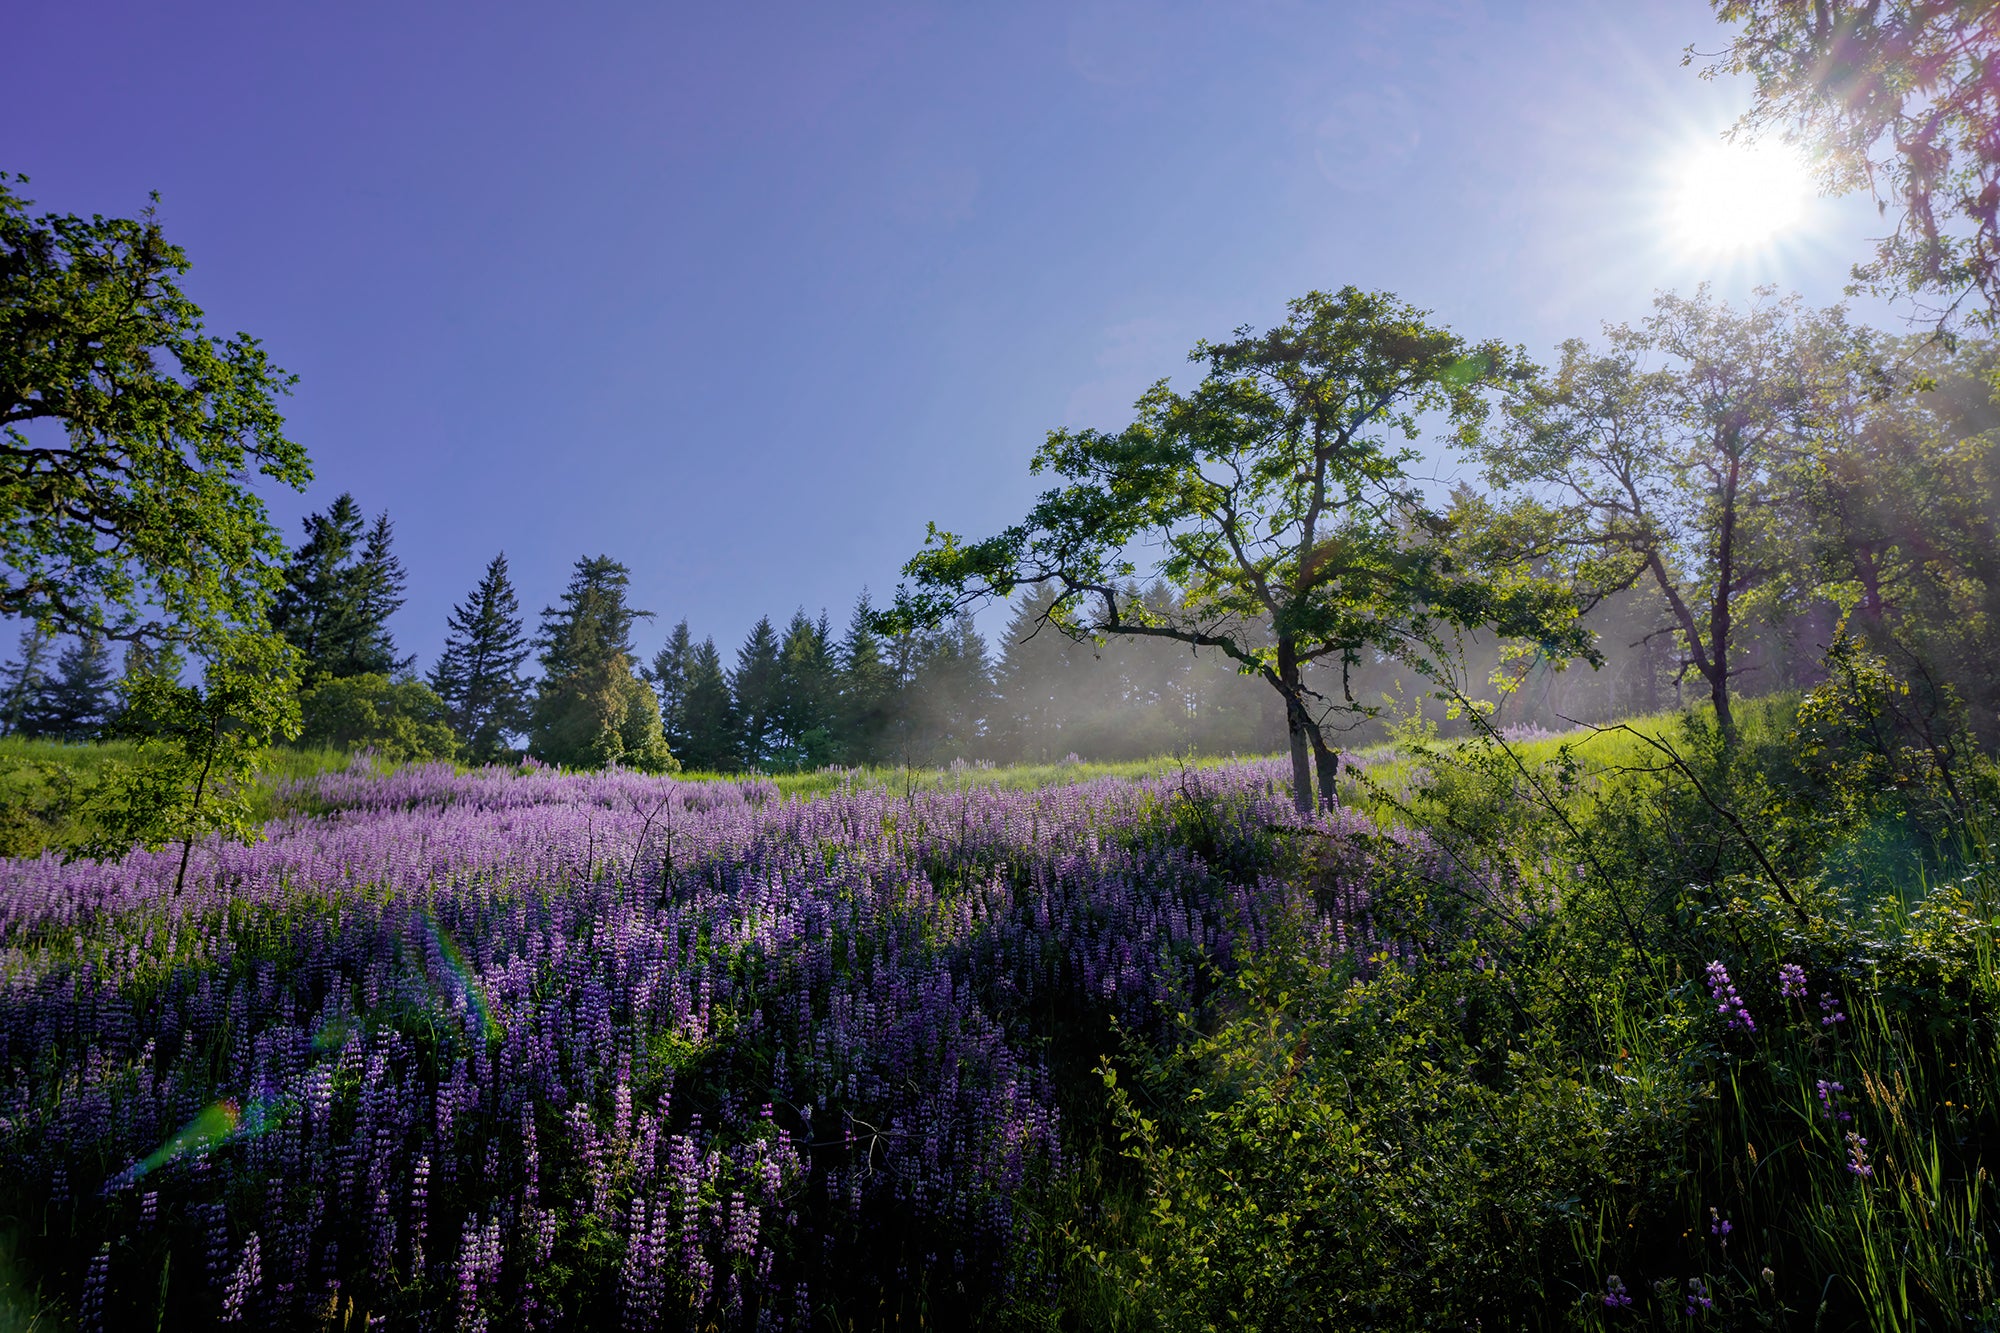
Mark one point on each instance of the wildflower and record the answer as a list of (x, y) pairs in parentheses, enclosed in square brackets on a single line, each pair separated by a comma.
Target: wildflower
[(1718, 1226), (1697, 1297), (1829, 1010), (1615, 1295), (1727, 1002), (1857, 1156), (243, 1282), (1829, 1102), (1792, 981)]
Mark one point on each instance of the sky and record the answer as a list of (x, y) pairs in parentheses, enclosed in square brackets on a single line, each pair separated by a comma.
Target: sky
[(745, 295)]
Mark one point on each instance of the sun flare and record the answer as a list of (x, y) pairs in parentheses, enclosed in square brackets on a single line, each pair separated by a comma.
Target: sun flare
[(1728, 198)]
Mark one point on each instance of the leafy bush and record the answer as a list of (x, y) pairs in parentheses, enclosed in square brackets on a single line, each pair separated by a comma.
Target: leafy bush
[(403, 720)]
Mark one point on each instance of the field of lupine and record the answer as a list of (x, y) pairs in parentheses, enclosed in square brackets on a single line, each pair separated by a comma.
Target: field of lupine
[(534, 1050)]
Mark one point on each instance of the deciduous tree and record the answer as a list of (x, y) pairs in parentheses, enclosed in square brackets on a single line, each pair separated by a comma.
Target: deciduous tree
[(128, 437), (1900, 98), (1273, 493), (1675, 447)]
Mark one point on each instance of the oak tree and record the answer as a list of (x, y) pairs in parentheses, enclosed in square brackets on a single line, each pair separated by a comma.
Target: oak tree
[(1275, 495)]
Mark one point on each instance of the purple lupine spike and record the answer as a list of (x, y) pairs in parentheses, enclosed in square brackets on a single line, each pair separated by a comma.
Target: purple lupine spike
[(1727, 1002)]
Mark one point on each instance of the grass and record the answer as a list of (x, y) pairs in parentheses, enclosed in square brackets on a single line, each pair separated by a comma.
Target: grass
[(43, 785)]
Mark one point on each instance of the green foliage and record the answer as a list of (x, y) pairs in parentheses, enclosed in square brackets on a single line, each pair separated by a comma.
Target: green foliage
[(709, 719), (340, 589), (199, 746), (1674, 454), (1617, 1083), (867, 689), (130, 436), (592, 710), (808, 683), (753, 687), (479, 673), (1904, 535), (1898, 98), (404, 721), (1277, 499)]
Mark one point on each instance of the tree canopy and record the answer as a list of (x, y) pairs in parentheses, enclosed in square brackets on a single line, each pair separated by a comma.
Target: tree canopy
[(1276, 496), (340, 589), (128, 437), (1900, 99), (1680, 447)]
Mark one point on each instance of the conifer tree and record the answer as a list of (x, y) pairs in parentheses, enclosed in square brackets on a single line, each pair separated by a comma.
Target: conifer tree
[(479, 673), (807, 684), (340, 589), (78, 702), (670, 682), (313, 609), (592, 710), (753, 686), (708, 711), (23, 681), (866, 690), (379, 586)]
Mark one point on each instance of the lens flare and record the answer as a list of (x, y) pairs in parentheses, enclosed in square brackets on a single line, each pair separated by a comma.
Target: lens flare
[(207, 1130), (464, 981)]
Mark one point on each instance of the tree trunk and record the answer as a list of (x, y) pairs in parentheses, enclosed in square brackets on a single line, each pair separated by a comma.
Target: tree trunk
[(1296, 726), (1720, 608), (1329, 771)]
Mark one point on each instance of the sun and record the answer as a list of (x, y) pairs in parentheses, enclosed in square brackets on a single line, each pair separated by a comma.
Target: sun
[(1729, 198)]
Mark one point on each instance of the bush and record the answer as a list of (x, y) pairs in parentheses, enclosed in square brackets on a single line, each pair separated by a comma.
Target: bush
[(402, 719)]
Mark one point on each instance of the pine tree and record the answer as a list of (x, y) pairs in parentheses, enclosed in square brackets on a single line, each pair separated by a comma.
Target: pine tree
[(312, 610), (709, 717), (670, 681), (479, 673), (1039, 680), (866, 691), (78, 702), (379, 584), (22, 682), (753, 686), (340, 589), (592, 710), (807, 684)]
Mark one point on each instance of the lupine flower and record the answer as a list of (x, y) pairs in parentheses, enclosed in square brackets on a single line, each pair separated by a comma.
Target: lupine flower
[(1698, 1300), (1829, 1009), (1829, 1102), (90, 1311), (1727, 1002), (892, 1004), (1615, 1295), (243, 1283), (1791, 981), (1718, 1227), (1857, 1156)]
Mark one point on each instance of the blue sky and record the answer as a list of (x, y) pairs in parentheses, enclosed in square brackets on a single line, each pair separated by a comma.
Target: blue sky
[(743, 295)]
